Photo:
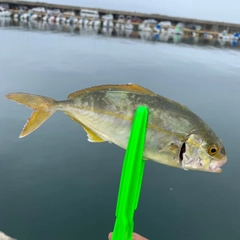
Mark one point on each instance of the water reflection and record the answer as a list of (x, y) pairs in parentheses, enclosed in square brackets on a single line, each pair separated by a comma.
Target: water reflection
[(81, 29)]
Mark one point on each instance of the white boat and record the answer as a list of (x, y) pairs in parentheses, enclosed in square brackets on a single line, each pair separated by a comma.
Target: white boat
[(121, 19), (150, 21), (128, 25), (68, 20), (68, 15), (145, 26), (108, 24), (45, 18), (89, 13), (60, 18), (224, 36), (107, 17), (18, 15), (51, 18), (34, 16), (75, 20), (162, 26), (165, 24), (54, 11), (25, 16), (180, 25), (39, 9), (120, 22), (4, 12)]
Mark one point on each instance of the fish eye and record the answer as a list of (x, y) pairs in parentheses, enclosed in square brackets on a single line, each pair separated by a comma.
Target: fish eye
[(212, 150)]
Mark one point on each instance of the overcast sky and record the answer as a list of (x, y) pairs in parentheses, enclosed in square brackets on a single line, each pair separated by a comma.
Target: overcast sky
[(218, 10)]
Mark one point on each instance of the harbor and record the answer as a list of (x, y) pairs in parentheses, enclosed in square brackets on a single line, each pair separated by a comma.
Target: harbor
[(105, 18)]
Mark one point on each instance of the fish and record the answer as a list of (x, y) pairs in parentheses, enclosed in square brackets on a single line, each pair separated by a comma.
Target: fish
[(175, 136)]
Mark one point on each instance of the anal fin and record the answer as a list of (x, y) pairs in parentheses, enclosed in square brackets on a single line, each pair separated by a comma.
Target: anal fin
[(92, 136)]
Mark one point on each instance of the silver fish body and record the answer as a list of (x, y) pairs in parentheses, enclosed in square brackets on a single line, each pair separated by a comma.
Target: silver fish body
[(175, 135)]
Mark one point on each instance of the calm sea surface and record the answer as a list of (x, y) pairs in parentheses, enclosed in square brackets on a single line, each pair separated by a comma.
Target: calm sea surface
[(55, 185)]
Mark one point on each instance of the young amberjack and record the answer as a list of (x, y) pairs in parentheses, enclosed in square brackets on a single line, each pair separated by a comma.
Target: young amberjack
[(175, 135)]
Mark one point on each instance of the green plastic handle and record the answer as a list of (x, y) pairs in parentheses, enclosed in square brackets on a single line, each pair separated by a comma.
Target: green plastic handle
[(131, 178)]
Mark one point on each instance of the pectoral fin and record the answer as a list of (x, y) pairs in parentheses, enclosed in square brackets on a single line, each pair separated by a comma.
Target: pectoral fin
[(92, 136), (170, 155)]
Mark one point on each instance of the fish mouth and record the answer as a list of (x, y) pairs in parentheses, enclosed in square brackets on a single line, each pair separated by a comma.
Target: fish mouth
[(215, 166)]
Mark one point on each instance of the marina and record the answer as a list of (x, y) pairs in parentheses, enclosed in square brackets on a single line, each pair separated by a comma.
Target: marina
[(77, 30), (102, 18)]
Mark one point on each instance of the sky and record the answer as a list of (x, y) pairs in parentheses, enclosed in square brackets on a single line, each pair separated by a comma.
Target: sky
[(216, 10)]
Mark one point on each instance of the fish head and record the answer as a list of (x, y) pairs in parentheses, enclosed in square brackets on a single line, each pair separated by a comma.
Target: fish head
[(203, 152)]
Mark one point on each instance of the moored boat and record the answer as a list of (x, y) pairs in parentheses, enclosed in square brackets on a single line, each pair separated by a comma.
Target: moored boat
[(4, 12)]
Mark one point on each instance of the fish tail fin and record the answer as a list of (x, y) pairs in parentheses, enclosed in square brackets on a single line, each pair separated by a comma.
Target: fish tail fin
[(43, 108)]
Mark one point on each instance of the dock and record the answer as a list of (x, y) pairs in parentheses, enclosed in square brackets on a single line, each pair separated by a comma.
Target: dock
[(212, 27)]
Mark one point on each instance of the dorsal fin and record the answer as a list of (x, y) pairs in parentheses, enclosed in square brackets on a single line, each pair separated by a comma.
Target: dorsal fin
[(92, 137), (130, 87)]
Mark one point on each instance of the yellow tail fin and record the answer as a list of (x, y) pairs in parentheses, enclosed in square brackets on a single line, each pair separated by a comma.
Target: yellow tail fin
[(43, 108)]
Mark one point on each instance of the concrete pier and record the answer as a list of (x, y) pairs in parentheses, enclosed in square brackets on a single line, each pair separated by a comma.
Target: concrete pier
[(209, 26)]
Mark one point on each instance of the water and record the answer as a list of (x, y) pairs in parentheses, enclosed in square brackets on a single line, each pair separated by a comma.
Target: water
[(56, 185)]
